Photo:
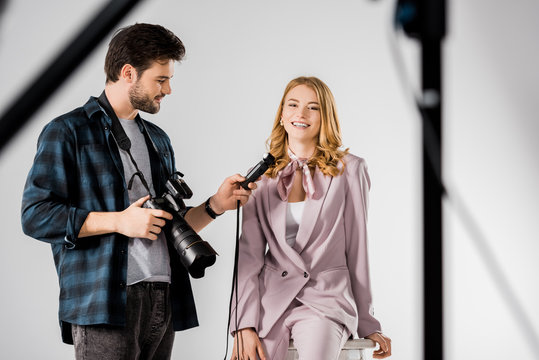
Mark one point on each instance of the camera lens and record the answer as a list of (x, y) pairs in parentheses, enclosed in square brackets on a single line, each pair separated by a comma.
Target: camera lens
[(195, 254)]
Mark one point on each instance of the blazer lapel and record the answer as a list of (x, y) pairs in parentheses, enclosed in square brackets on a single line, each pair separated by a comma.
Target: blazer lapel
[(277, 210), (312, 209)]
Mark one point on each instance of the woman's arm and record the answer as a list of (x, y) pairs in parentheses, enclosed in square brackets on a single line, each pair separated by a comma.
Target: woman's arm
[(357, 202), (252, 247), (355, 219)]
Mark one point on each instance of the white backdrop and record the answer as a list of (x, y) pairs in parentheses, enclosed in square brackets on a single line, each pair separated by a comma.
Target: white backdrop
[(240, 55)]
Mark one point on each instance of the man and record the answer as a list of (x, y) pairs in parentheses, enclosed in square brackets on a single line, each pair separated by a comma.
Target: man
[(123, 290)]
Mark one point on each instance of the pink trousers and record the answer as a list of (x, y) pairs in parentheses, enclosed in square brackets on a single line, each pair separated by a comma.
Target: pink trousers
[(315, 336)]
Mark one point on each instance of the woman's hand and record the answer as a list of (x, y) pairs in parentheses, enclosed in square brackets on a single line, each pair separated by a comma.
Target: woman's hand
[(384, 343), (247, 340)]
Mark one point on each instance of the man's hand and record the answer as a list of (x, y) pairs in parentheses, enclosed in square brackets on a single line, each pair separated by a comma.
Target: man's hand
[(225, 199), (247, 340), (136, 221), (384, 343), (229, 192)]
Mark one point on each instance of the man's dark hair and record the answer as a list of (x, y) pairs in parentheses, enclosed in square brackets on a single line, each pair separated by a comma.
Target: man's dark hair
[(140, 45)]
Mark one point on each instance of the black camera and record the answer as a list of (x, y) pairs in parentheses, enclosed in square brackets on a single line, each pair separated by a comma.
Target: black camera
[(195, 254)]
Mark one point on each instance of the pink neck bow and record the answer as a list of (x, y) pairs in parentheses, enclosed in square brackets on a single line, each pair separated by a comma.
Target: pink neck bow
[(286, 177)]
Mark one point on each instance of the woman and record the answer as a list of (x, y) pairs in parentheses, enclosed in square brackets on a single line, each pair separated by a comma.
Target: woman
[(310, 211)]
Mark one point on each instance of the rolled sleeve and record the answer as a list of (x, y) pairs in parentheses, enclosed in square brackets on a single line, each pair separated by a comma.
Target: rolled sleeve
[(76, 218), (47, 211)]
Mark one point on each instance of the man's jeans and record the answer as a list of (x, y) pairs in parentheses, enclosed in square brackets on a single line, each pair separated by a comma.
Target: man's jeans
[(148, 333)]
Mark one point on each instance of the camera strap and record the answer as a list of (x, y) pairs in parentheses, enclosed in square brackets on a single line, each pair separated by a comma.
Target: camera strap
[(122, 140), (163, 165)]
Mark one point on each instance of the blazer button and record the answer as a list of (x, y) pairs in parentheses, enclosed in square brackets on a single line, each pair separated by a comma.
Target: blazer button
[(284, 273), (305, 275)]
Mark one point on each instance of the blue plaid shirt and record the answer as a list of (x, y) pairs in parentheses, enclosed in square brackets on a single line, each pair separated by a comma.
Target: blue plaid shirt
[(77, 169)]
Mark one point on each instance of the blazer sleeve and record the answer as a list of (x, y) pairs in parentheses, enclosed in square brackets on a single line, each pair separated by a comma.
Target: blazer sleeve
[(47, 213), (252, 246), (355, 220)]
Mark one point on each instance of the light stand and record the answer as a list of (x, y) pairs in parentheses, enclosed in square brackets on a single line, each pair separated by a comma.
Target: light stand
[(425, 20)]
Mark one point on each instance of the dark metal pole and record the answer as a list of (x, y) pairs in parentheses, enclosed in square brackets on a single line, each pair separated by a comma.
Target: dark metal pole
[(432, 23), (432, 203), (61, 67), (425, 20)]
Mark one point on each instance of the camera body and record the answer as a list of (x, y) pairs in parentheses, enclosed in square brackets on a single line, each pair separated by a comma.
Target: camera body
[(195, 253)]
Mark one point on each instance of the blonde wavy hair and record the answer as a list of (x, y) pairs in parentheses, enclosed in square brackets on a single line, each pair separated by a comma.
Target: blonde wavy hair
[(327, 154)]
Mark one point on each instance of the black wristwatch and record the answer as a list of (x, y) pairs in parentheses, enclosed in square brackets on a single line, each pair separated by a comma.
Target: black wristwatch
[(209, 210)]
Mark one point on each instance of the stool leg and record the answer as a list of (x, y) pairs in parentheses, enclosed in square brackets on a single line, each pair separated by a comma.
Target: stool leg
[(362, 355), (292, 355), (352, 355)]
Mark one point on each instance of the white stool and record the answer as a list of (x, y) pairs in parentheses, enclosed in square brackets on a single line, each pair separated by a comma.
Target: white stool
[(352, 350)]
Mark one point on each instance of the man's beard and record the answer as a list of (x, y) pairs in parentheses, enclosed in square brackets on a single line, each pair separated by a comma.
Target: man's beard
[(140, 101)]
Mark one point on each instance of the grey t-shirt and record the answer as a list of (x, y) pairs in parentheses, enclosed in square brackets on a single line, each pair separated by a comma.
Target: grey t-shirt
[(148, 260)]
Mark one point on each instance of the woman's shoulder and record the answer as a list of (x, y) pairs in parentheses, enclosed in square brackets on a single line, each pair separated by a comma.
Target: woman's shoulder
[(352, 163), (355, 170)]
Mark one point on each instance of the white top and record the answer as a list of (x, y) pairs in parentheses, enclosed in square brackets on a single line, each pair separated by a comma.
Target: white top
[(294, 212)]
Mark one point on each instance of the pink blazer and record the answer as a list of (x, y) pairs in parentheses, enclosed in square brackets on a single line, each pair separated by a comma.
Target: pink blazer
[(327, 269)]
